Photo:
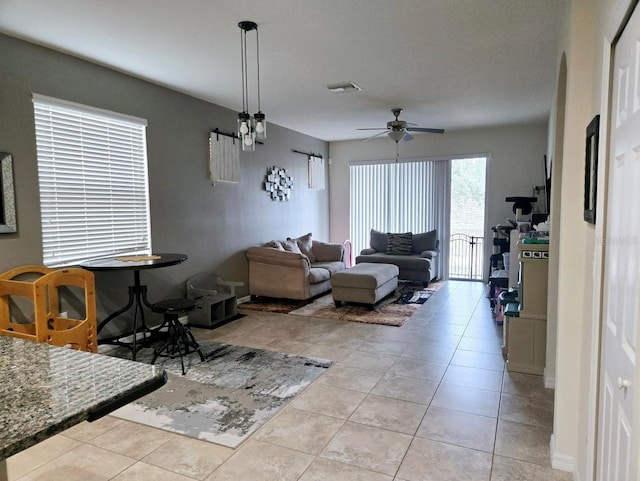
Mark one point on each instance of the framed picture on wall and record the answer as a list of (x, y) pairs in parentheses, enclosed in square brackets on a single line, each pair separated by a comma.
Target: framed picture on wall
[(8, 223), (591, 170)]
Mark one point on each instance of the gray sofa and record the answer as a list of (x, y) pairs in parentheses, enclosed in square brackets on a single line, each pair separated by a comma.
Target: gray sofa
[(415, 255), (298, 268)]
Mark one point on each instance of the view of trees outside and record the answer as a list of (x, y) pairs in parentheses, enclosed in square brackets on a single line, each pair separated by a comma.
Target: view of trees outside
[(467, 196), (467, 217)]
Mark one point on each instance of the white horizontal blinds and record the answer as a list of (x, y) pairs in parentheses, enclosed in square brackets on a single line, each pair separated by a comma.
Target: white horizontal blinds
[(316, 173), (224, 158), (400, 197), (92, 170)]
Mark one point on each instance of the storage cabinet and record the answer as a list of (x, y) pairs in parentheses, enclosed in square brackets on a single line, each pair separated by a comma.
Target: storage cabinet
[(527, 334)]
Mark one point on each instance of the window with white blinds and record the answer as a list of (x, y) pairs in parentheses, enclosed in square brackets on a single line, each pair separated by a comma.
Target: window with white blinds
[(92, 172), (408, 196)]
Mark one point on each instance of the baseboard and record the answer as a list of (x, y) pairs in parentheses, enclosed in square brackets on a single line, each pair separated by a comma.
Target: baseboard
[(242, 300), (562, 462), (549, 382)]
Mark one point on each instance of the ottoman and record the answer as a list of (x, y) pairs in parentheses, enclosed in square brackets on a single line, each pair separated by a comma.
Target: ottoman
[(365, 283)]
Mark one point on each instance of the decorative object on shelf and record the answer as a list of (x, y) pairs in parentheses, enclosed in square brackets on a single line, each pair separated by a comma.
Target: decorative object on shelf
[(8, 224), (316, 169), (278, 183), (250, 128), (591, 170)]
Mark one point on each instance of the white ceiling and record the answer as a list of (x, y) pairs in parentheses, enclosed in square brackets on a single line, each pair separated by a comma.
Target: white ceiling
[(450, 64)]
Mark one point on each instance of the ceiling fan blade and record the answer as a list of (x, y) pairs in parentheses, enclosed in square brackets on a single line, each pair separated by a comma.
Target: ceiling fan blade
[(407, 137), (422, 129), (374, 128), (373, 136)]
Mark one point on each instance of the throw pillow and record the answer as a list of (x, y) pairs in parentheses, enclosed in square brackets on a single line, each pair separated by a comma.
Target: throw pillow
[(399, 244), (275, 244), (291, 246), (305, 243), (427, 241), (378, 241)]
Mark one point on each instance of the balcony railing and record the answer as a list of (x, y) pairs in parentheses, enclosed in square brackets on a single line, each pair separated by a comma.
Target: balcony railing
[(466, 257)]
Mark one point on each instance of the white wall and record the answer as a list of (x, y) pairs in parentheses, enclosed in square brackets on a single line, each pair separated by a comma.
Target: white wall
[(516, 164), (593, 25)]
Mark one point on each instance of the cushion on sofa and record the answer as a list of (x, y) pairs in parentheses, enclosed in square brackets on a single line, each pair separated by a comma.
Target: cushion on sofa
[(305, 243), (427, 241), (328, 252), (332, 267), (378, 240), (399, 244), (410, 263), (291, 245), (318, 274), (274, 244)]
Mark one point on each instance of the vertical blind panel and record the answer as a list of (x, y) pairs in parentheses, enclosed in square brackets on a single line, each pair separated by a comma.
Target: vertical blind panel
[(93, 178), (400, 197)]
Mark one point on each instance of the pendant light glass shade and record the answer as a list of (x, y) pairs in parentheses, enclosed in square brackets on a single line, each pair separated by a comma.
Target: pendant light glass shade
[(260, 126), (246, 132)]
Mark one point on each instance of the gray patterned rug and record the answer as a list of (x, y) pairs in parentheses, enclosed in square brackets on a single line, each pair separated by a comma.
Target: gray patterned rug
[(227, 397)]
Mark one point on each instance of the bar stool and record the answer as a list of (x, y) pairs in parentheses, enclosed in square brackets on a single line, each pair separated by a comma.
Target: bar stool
[(180, 341)]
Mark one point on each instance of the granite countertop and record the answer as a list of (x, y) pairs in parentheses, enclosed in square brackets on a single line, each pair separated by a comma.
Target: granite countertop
[(45, 389)]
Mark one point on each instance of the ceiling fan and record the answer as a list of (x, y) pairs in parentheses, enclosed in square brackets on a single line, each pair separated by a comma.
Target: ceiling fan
[(398, 130)]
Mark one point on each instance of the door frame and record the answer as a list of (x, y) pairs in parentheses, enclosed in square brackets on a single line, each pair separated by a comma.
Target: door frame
[(612, 31)]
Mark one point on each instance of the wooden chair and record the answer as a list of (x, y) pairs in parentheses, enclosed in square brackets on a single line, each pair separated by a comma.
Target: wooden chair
[(42, 287)]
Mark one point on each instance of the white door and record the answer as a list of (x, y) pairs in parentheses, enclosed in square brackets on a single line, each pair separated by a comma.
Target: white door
[(617, 429)]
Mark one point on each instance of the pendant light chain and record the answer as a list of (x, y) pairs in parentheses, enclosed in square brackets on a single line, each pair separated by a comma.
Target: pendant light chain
[(250, 128), (258, 65), (243, 54)]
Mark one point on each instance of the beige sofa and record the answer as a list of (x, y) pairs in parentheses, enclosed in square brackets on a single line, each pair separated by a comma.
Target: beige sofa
[(298, 268)]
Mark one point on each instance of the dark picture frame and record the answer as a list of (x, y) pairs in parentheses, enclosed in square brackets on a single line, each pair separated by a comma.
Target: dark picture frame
[(8, 223), (591, 170)]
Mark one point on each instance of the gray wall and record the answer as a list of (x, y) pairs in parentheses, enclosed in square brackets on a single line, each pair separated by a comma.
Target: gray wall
[(213, 225), (515, 165)]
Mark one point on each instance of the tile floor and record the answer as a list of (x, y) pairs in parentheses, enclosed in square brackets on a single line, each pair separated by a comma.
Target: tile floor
[(428, 401)]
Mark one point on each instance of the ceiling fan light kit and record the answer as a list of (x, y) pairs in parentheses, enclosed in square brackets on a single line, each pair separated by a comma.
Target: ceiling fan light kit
[(250, 129), (396, 135)]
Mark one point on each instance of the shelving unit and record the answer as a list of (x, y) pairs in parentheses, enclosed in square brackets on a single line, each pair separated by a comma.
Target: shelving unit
[(213, 310), (526, 335)]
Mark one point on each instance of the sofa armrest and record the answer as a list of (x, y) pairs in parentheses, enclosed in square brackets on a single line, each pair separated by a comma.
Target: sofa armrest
[(276, 257), (327, 251), (367, 251), (429, 254)]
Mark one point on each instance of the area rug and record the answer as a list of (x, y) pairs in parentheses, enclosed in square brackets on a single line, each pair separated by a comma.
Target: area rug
[(394, 310), (278, 306), (227, 397)]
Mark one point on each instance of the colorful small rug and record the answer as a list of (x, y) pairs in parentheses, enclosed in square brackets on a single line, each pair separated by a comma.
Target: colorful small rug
[(413, 296), (227, 397)]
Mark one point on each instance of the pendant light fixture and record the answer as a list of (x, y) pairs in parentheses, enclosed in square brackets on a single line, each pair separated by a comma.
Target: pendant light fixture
[(250, 129)]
